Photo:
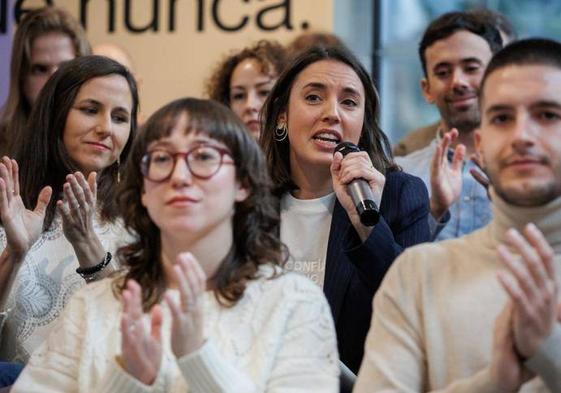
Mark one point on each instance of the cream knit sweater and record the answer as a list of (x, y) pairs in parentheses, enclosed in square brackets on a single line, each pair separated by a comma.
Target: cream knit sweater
[(44, 284), (279, 337), (435, 312)]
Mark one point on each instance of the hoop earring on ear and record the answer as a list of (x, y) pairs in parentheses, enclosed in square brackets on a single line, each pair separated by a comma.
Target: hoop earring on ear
[(281, 132), (118, 169)]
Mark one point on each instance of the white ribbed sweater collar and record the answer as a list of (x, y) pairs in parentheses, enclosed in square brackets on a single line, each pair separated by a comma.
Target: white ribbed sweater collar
[(547, 218)]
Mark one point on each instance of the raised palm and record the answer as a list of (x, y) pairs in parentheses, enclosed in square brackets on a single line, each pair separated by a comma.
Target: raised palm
[(446, 177), (22, 226)]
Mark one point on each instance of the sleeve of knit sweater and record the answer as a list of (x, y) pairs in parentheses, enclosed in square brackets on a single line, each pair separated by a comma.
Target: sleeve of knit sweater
[(306, 353), (54, 366), (395, 358)]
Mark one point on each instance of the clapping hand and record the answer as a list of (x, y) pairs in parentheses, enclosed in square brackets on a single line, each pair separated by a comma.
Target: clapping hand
[(507, 371), (477, 173), (530, 282), (23, 227), (78, 206), (446, 177), (141, 350), (78, 209), (187, 317)]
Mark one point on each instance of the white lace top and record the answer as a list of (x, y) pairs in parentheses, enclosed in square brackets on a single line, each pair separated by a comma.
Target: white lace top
[(42, 287), (279, 337)]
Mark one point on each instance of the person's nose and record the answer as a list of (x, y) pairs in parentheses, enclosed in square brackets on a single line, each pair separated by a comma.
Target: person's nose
[(52, 70), (524, 131), (459, 80), (181, 174), (252, 103), (104, 125), (331, 111)]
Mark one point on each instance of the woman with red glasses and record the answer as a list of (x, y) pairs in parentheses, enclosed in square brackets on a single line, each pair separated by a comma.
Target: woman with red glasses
[(203, 305)]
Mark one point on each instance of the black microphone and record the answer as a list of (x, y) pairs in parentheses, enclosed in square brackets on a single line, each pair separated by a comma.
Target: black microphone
[(360, 191)]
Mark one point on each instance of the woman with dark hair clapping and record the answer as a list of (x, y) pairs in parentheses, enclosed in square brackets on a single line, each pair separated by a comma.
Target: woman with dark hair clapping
[(80, 132)]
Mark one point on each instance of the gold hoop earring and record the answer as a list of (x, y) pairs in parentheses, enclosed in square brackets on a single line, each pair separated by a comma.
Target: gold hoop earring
[(281, 132)]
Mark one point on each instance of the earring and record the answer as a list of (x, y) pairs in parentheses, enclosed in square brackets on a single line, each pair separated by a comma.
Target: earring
[(118, 169), (281, 132)]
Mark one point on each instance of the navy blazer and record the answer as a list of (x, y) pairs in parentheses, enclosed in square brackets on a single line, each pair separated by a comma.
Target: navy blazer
[(354, 270)]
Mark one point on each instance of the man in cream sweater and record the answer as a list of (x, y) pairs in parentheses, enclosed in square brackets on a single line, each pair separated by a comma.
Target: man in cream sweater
[(481, 313)]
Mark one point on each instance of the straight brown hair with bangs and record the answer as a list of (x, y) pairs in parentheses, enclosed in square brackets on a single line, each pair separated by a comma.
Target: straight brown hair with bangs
[(255, 220)]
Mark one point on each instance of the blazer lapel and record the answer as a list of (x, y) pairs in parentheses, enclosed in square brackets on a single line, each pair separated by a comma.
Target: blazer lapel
[(338, 269)]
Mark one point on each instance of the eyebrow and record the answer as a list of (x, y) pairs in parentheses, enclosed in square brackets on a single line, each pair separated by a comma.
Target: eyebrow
[(257, 85), (264, 83), (463, 61), (546, 104), (321, 86), (538, 104), (165, 142), (95, 102), (499, 108)]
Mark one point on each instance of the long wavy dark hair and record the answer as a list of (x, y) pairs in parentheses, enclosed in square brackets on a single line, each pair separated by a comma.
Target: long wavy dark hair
[(372, 138), (41, 153), (255, 220)]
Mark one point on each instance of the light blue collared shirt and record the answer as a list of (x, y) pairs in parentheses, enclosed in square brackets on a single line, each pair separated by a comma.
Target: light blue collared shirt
[(472, 210)]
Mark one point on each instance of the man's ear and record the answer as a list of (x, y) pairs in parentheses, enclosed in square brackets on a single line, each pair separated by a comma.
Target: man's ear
[(425, 88), (479, 146)]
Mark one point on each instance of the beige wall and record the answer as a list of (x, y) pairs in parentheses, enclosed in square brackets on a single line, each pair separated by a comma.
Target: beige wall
[(176, 63)]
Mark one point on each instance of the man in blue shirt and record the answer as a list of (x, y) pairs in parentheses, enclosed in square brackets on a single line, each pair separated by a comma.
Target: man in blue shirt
[(454, 52)]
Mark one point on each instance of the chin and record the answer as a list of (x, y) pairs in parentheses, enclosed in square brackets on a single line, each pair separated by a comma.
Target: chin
[(529, 193)]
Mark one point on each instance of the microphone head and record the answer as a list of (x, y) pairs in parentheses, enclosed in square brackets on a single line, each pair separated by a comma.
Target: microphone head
[(345, 148), (368, 213)]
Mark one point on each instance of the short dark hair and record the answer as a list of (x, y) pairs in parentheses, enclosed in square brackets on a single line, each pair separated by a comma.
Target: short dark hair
[(256, 221), (531, 51), (372, 138), (499, 20), (41, 153), (452, 22), (270, 55)]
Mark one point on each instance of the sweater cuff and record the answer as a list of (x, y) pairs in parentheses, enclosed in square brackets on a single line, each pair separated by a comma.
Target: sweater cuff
[(118, 380), (205, 370), (547, 360)]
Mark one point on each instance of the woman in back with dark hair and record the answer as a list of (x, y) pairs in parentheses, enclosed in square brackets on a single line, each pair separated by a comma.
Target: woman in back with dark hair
[(80, 131), (325, 97), (197, 193)]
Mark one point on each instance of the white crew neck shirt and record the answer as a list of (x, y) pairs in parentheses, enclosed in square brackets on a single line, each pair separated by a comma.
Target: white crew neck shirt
[(305, 225)]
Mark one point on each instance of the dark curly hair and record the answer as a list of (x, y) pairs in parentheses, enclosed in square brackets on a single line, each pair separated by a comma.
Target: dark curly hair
[(255, 220), (270, 55), (372, 138)]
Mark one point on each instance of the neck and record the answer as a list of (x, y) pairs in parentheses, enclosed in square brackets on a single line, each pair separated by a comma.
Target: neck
[(313, 181), (209, 250), (547, 218), (465, 137)]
